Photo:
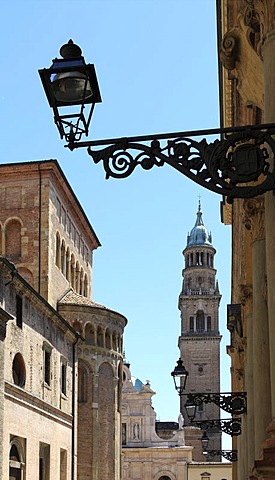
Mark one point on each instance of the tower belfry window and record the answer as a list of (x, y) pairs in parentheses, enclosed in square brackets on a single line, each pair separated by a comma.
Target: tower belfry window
[(200, 323)]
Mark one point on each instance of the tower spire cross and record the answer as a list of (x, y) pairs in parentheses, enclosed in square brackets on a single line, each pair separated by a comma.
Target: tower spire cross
[(199, 197)]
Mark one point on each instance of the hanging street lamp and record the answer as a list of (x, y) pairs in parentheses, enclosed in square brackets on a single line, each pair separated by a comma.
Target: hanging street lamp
[(238, 165), (230, 455), (180, 375), (71, 83)]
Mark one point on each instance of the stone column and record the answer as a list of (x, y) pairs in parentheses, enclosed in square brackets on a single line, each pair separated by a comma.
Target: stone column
[(268, 51), (249, 387), (254, 221)]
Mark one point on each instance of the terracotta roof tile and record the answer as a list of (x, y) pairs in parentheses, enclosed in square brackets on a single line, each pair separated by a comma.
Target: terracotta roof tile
[(73, 298)]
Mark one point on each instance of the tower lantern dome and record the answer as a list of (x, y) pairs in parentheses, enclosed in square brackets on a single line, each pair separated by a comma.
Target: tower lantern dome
[(199, 234)]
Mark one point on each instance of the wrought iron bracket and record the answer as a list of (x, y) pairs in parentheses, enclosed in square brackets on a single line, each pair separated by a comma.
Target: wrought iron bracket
[(239, 165), (230, 455), (231, 426), (234, 403)]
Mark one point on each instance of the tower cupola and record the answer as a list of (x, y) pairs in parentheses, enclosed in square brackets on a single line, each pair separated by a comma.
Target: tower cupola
[(199, 234)]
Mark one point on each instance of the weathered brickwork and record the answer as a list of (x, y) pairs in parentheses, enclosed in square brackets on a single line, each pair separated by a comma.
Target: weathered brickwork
[(199, 341), (36, 203), (99, 377)]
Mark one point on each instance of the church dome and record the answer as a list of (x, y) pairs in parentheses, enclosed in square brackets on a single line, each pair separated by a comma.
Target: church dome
[(199, 234)]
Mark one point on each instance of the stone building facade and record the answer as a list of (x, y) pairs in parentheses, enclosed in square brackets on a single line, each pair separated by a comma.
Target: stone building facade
[(61, 375), (199, 342), (39, 372), (246, 39), (158, 450)]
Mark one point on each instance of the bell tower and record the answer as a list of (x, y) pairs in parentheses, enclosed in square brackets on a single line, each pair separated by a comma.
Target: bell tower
[(199, 342)]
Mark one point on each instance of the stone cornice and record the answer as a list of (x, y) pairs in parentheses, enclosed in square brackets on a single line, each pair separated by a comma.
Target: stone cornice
[(30, 401)]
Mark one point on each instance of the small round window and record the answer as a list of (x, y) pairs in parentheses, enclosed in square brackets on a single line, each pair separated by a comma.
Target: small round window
[(18, 370)]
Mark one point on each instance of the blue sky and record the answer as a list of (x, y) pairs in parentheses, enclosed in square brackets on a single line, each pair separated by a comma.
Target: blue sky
[(156, 62)]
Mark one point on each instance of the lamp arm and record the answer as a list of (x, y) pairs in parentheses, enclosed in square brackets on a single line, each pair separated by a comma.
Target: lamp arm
[(221, 166), (230, 455), (233, 403), (230, 426)]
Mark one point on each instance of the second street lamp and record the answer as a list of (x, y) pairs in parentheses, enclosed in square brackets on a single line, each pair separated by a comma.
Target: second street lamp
[(230, 455), (180, 375)]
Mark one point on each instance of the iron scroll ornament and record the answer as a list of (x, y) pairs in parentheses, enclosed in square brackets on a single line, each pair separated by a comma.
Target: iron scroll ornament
[(233, 403), (222, 166), (230, 455), (232, 426)]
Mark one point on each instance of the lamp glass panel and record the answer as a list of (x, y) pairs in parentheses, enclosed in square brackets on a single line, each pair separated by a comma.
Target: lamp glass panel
[(70, 87)]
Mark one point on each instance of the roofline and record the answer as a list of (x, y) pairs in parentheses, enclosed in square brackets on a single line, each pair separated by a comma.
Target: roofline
[(57, 165), (101, 308)]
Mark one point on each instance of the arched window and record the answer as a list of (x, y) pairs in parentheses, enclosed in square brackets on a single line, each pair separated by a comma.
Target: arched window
[(19, 370), (164, 477), (191, 324), (85, 293), (68, 265), (73, 271), (108, 338), (120, 346), (100, 337), (58, 250), (90, 334), (114, 341), (13, 240), (81, 286), (16, 459), (82, 385), (77, 278), (200, 326), (77, 326), (209, 323), (63, 263)]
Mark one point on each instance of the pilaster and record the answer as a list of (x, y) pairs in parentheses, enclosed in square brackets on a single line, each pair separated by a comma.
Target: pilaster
[(254, 221)]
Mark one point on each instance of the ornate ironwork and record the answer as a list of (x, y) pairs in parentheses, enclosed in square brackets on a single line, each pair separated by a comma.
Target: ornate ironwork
[(233, 403), (231, 426), (230, 455), (223, 166)]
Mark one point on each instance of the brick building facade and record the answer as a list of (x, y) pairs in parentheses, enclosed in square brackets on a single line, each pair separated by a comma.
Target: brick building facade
[(60, 352)]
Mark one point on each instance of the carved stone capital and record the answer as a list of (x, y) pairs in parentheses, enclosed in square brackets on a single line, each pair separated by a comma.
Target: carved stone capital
[(230, 49), (254, 217), (263, 13), (245, 294)]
